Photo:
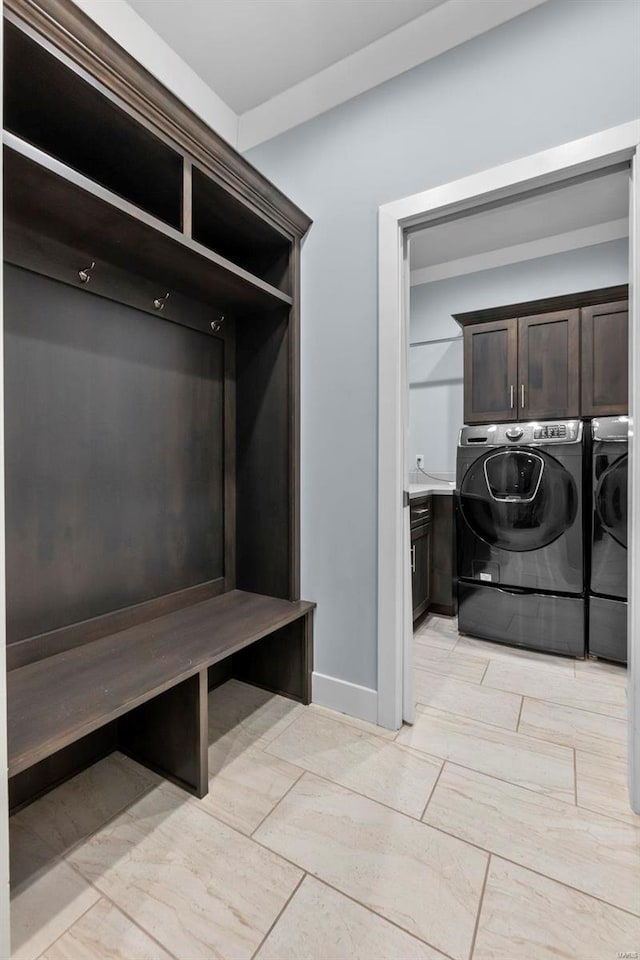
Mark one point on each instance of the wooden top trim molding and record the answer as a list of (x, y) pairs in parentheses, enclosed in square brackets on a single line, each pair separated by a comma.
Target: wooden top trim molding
[(76, 35), (530, 308)]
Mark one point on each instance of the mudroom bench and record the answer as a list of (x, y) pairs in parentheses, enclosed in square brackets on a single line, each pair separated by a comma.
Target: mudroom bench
[(144, 690)]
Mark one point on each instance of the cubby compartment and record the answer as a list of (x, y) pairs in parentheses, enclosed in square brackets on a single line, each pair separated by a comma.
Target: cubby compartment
[(52, 107), (228, 227)]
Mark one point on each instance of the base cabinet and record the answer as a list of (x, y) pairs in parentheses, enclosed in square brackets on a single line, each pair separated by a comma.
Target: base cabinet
[(432, 556), (421, 550)]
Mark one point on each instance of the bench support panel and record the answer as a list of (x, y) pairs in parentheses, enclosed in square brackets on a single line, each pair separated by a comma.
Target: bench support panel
[(169, 734), (281, 662)]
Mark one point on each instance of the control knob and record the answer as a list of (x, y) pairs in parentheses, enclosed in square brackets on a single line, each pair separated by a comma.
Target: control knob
[(514, 433)]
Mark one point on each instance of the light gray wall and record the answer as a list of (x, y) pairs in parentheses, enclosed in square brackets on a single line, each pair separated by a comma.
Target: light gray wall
[(564, 70), (435, 370)]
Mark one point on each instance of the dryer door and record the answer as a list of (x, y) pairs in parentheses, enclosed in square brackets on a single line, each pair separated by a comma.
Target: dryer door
[(611, 499), (518, 499)]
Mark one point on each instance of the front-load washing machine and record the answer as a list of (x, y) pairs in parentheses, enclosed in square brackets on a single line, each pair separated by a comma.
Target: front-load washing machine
[(519, 518)]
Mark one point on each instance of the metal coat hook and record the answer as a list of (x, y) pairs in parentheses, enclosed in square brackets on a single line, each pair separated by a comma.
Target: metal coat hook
[(159, 302), (85, 275), (216, 325)]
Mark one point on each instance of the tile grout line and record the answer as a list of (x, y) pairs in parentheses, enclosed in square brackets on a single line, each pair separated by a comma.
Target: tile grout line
[(66, 930), (464, 716), (555, 703), (480, 903), (453, 836), (280, 913), (403, 813), (522, 697), (484, 672), (432, 791), (375, 913), (520, 713), (531, 869), (276, 804), (137, 923), (352, 726), (63, 856), (575, 777)]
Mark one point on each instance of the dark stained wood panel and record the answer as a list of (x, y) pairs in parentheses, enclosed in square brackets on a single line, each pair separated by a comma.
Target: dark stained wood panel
[(169, 734), (549, 365), (443, 592), (56, 701), (490, 369), (605, 359), (114, 456), (281, 662), (263, 456)]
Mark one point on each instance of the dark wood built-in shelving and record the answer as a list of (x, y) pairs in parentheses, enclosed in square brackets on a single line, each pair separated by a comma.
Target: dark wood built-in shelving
[(46, 196), (153, 475)]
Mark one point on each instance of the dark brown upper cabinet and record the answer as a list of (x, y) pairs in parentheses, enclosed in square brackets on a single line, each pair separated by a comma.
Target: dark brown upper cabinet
[(549, 365), (490, 371), (560, 357), (605, 359)]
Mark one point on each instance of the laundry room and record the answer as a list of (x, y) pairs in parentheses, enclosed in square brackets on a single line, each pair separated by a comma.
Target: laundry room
[(518, 355)]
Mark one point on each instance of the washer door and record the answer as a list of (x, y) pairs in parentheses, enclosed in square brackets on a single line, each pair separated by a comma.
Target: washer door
[(518, 499), (611, 499)]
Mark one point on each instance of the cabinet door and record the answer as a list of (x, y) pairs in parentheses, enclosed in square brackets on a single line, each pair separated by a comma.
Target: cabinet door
[(490, 368), (605, 359), (549, 365), (421, 569)]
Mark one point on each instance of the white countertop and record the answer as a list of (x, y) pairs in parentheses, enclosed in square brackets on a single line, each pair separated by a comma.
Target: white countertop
[(430, 486)]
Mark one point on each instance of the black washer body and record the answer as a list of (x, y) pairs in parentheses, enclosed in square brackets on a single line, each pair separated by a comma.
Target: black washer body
[(519, 496)]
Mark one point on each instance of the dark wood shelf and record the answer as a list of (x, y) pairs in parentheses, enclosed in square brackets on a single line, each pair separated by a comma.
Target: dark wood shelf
[(225, 224), (52, 107), (45, 195), (54, 702)]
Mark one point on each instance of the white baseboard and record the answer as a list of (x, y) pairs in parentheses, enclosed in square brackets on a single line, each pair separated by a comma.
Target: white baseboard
[(349, 698)]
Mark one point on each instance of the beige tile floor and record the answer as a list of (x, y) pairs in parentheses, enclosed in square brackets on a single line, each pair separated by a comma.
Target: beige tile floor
[(496, 828)]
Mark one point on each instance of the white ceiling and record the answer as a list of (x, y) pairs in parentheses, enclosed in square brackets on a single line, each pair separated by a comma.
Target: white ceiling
[(255, 68), (251, 50), (575, 211)]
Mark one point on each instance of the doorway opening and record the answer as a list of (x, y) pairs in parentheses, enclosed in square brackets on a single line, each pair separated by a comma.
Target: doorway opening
[(520, 227)]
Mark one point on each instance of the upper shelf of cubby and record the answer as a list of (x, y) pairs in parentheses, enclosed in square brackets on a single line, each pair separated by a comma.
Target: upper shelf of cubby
[(196, 225), (44, 195)]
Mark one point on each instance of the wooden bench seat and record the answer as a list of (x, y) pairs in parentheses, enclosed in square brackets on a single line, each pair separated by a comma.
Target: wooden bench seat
[(152, 679)]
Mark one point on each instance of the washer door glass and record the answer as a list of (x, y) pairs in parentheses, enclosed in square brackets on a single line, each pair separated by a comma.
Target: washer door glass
[(518, 499), (611, 499)]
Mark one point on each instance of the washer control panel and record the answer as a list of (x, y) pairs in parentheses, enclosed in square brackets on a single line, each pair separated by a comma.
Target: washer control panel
[(550, 431), (530, 434)]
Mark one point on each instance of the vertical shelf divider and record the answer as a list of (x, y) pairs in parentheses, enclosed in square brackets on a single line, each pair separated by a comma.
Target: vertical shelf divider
[(187, 197)]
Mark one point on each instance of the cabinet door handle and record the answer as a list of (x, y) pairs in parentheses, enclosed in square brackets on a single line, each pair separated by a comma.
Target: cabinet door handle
[(522, 396), (512, 396), (413, 559), (418, 513)]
